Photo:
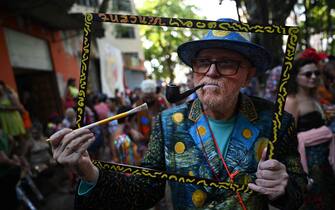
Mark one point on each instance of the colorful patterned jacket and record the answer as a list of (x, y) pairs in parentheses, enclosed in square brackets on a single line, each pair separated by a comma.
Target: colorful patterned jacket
[(182, 143)]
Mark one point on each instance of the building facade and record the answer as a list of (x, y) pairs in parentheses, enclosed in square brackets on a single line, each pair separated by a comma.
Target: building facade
[(36, 58), (40, 49)]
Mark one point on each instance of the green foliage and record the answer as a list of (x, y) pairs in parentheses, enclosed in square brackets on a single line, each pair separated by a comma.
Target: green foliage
[(161, 43), (267, 12), (317, 14), (320, 18), (313, 17)]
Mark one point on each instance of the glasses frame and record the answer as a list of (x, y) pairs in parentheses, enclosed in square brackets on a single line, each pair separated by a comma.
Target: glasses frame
[(308, 74), (214, 61)]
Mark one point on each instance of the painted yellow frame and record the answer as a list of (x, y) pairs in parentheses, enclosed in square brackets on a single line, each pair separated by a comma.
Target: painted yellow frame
[(292, 40)]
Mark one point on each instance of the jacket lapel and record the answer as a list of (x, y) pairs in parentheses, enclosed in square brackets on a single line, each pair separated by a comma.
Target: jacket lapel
[(201, 135)]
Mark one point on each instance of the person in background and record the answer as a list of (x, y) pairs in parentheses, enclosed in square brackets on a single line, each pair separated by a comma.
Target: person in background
[(54, 124), (253, 88), (135, 95), (69, 120), (10, 172), (126, 97), (319, 58), (71, 93), (117, 93), (97, 148), (271, 85), (112, 125), (101, 107), (326, 91), (161, 98), (314, 137), (145, 118), (10, 117), (125, 139)]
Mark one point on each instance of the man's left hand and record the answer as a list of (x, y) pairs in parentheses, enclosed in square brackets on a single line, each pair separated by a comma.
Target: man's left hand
[(271, 179)]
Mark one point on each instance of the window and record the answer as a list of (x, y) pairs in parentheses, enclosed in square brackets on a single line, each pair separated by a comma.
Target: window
[(121, 5), (131, 59), (126, 32)]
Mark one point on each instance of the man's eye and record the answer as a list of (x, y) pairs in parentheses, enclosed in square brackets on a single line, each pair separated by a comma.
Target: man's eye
[(203, 63), (226, 63)]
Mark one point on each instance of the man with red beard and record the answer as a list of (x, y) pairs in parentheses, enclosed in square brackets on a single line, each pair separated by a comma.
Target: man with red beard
[(221, 135)]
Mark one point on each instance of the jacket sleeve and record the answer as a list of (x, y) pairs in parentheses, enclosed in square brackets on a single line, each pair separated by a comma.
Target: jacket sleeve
[(114, 190), (286, 151)]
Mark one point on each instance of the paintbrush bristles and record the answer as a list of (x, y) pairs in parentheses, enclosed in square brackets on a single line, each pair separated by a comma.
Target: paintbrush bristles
[(139, 108)]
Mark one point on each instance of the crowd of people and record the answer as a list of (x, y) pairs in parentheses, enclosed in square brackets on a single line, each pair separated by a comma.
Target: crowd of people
[(27, 166), (25, 154), (222, 134)]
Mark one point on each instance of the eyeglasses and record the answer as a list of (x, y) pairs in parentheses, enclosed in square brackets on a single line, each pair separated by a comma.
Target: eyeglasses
[(224, 67), (309, 74)]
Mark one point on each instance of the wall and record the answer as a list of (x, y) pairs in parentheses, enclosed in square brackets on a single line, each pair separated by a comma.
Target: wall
[(6, 70), (65, 65)]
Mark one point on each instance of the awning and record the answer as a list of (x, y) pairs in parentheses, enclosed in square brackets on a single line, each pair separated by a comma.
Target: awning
[(52, 14)]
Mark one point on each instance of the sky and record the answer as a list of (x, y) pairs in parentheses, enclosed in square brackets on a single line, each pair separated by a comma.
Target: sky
[(212, 10)]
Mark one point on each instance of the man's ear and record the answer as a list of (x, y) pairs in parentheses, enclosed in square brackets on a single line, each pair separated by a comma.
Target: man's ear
[(251, 73)]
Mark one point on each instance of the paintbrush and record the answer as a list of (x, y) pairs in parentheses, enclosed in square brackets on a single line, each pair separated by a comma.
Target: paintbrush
[(118, 116)]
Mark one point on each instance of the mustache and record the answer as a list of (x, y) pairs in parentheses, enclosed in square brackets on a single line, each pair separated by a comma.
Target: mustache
[(216, 83)]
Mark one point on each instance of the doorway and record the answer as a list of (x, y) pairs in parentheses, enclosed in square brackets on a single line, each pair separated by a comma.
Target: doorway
[(38, 92)]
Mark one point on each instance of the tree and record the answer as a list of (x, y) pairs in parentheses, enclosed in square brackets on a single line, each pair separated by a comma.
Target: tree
[(319, 19), (268, 12), (161, 42)]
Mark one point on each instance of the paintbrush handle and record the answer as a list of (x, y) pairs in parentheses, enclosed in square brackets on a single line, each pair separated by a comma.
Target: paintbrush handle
[(118, 116), (104, 121)]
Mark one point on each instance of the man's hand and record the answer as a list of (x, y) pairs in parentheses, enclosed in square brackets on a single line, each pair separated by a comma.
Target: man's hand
[(69, 147), (271, 179)]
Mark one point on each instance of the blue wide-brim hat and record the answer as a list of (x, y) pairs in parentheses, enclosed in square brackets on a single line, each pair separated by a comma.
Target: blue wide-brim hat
[(235, 41)]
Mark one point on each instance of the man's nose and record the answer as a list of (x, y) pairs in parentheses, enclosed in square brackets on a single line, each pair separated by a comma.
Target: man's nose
[(212, 71)]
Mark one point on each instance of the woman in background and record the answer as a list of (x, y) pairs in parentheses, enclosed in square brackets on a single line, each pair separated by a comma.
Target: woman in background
[(10, 117), (314, 138)]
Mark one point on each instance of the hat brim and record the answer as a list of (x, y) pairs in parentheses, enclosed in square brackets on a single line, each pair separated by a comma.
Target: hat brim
[(257, 55)]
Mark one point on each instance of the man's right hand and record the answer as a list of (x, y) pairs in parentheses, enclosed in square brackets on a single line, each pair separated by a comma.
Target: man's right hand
[(69, 148)]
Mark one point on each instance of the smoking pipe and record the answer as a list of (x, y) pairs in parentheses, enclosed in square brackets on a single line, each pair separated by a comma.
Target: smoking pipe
[(173, 94)]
